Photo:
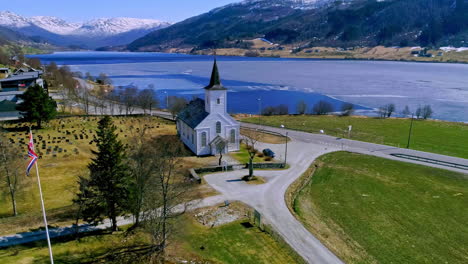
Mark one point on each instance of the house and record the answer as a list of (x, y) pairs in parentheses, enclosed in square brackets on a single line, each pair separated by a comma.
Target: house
[(21, 81), (204, 126)]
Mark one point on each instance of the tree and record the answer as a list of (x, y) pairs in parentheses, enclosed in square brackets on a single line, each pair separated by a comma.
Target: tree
[(390, 110), (250, 139), (426, 112), (167, 190), (106, 191), (418, 112), (37, 106), (89, 77), (176, 104), (406, 111), (103, 79), (147, 99), (322, 108), (129, 98), (386, 111), (10, 164), (347, 109), (220, 148), (141, 168), (301, 107)]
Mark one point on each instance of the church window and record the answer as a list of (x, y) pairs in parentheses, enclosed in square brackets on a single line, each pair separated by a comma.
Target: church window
[(218, 127), (203, 139), (218, 101), (233, 136)]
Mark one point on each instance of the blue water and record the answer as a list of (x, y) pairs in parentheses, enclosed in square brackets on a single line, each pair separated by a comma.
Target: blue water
[(368, 84)]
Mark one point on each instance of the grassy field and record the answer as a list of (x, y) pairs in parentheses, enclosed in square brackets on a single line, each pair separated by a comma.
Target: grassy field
[(373, 210), (65, 148), (230, 243), (446, 138)]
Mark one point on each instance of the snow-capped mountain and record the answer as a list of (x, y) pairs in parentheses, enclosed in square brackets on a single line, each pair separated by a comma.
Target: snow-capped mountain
[(90, 34)]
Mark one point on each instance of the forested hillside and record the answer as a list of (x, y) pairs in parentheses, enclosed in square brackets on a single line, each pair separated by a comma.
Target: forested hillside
[(338, 24)]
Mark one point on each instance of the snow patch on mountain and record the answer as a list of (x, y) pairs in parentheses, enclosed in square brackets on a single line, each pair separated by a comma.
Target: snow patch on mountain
[(97, 27)]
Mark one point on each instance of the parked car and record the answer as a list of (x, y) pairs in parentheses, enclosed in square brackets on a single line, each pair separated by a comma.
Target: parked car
[(269, 153)]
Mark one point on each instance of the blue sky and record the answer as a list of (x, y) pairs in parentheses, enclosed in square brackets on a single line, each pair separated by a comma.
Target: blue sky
[(80, 10)]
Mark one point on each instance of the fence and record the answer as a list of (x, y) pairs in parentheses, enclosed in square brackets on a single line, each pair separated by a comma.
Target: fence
[(194, 172)]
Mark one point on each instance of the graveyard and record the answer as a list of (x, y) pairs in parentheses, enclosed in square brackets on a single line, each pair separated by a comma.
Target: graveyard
[(64, 147)]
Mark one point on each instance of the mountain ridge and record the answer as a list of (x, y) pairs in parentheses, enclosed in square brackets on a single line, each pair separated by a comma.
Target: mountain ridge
[(350, 23), (89, 34)]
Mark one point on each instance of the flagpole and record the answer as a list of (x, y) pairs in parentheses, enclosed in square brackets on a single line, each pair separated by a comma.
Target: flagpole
[(43, 211)]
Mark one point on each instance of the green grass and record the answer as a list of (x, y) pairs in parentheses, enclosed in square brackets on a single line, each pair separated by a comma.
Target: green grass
[(446, 138), (374, 210), (233, 243), (230, 243), (243, 155)]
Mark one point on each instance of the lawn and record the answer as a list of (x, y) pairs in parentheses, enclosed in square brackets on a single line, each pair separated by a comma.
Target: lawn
[(373, 210), (230, 243), (65, 148), (448, 138)]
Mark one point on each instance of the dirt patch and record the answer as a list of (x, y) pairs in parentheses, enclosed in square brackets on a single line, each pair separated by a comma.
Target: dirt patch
[(255, 180), (221, 214)]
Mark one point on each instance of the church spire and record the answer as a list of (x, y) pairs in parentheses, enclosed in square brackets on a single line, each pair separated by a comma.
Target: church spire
[(215, 82)]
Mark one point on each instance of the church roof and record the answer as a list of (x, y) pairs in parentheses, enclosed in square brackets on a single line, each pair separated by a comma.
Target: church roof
[(215, 81), (194, 113)]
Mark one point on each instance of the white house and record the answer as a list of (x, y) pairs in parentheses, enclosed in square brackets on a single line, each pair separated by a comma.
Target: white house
[(205, 126)]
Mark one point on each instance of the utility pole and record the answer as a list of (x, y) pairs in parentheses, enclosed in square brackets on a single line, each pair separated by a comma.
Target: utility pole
[(286, 151), (167, 100), (259, 108), (410, 131)]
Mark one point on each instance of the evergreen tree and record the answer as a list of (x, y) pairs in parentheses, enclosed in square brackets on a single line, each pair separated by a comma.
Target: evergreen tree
[(106, 191), (37, 105)]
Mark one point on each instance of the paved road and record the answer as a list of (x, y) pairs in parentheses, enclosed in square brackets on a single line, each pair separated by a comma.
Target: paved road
[(366, 148), (269, 199)]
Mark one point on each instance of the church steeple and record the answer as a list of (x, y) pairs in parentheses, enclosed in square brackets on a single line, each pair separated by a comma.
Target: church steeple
[(215, 81)]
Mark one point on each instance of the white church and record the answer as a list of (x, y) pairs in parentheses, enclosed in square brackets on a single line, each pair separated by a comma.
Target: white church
[(205, 126)]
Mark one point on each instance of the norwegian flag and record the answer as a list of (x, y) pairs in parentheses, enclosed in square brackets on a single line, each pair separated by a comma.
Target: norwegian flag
[(32, 155)]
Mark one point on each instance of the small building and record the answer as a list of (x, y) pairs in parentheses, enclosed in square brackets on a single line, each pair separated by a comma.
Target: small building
[(20, 82), (204, 126)]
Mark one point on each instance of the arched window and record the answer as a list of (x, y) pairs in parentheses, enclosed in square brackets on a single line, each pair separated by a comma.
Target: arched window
[(203, 139), (233, 136), (218, 127)]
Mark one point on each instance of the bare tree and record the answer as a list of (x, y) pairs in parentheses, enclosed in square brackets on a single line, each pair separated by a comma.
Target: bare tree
[(168, 189), (406, 111), (322, 108), (221, 148), (10, 163), (250, 139), (141, 170), (390, 109), (176, 104), (426, 112), (129, 98), (301, 107), (147, 99), (347, 109), (386, 111)]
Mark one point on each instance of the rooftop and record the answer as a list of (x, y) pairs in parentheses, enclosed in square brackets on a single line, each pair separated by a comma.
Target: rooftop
[(194, 113)]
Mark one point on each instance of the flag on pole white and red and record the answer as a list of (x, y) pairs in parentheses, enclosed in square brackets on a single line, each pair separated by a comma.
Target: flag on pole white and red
[(32, 155)]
